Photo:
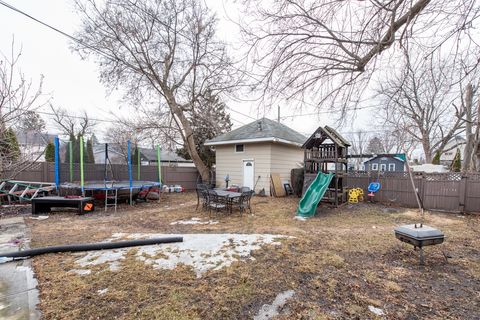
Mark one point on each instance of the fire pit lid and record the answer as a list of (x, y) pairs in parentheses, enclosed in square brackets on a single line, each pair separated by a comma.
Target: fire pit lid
[(419, 232)]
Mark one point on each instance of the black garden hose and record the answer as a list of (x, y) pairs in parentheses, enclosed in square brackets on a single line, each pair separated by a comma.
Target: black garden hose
[(89, 247)]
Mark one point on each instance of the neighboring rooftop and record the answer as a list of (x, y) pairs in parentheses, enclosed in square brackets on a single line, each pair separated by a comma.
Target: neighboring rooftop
[(262, 130), (33, 138), (398, 156), (165, 155), (146, 154)]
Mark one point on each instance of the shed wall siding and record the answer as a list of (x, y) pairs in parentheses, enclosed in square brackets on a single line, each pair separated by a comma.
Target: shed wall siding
[(231, 163), (285, 158)]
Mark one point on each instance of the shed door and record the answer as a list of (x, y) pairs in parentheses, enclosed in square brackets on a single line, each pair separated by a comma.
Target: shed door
[(248, 173)]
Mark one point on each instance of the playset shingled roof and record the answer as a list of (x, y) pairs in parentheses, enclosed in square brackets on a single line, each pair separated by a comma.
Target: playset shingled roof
[(322, 134)]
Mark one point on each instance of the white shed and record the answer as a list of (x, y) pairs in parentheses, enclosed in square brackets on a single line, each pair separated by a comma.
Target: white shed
[(250, 154)]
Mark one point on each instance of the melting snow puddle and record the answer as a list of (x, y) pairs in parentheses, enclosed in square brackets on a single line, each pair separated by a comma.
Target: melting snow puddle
[(377, 311), (193, 221), (268, 311), (201, 251)]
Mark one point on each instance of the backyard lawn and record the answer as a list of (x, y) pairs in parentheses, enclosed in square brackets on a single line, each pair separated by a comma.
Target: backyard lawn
[(343, 263)]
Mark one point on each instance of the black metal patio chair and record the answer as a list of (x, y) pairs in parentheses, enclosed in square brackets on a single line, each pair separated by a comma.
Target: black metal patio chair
[(202, 195), (244, 200), (215, 202)]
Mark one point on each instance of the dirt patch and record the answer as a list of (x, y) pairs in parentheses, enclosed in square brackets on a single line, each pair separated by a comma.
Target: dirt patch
[(343, 263)]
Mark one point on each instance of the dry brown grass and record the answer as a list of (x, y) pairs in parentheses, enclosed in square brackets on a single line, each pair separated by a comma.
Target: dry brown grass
[(338, 263)]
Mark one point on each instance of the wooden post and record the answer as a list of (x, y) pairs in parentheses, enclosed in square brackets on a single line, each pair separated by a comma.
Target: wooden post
[(462, 193)]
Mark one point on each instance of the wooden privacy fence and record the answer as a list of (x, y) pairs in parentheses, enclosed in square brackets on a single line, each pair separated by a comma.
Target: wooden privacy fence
[(452, 191), (45, 172)]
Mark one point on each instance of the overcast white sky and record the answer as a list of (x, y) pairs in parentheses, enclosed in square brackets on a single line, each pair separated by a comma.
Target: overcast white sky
[(73, 83)]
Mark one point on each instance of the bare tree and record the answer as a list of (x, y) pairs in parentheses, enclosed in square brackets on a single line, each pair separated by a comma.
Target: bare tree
[(163, 48), (359, 140), (70, 124), (424, 101), (469, 143), (319, 49), (18, 97), (119, 135)]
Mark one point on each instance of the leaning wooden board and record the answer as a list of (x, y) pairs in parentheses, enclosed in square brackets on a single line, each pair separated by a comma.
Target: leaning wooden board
[(278, 185)]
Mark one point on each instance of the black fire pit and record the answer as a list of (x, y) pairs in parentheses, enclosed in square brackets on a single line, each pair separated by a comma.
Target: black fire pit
[(419, 236)]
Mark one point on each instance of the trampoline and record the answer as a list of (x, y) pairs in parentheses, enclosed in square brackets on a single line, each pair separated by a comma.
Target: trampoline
[(109, 188)]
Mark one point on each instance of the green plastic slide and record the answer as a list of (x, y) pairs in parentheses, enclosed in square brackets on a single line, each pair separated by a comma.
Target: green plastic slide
[(309, 202)]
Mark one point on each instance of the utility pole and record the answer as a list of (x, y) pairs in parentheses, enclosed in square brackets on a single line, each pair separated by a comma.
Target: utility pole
[(278, 114)]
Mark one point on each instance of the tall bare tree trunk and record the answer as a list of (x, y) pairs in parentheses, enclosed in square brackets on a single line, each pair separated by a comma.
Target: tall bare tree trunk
[(427, 149), (469, 146), (188, 136)]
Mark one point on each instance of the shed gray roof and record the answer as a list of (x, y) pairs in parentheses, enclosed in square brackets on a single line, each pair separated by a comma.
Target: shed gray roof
[(260, 130)]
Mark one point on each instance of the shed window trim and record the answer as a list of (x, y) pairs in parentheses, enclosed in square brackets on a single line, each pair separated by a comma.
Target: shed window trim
[(239, 148), (391, 167), (383, 167), (374, 166)]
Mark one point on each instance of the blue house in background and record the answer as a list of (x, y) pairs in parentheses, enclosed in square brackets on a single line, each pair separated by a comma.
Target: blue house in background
[(386, 162)]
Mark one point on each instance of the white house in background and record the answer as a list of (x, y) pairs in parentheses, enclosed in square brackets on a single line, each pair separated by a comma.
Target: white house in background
[(249, 154), (446, 157), (33, 143), (429, 168), (167, 158)]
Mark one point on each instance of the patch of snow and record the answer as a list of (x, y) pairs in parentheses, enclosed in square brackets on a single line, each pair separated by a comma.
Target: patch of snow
[(102, 291), (268, 311), (193, 221), (81, 272), (5, 260), (202, 252), (377, 311), (300, 218), (111, 257), (39, 217)]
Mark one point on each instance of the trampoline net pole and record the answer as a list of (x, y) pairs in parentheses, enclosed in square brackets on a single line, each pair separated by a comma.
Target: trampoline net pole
[(138, 163), (82, 181), (105, 167), (129, 162), (57, 162), (70, 160), (159, 172)]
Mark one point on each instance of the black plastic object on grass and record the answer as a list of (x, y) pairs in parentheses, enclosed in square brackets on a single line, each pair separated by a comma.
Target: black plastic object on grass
[(418, 235), (89, 247)]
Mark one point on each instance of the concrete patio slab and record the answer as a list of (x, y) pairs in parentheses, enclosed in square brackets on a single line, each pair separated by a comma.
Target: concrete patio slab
[(18, 286)]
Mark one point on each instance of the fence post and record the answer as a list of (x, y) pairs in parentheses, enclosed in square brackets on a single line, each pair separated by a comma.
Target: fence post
[(45, 174), (423, 183), (462, 193)]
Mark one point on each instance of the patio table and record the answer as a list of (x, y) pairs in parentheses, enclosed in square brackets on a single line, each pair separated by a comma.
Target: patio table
[(229, 196)]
